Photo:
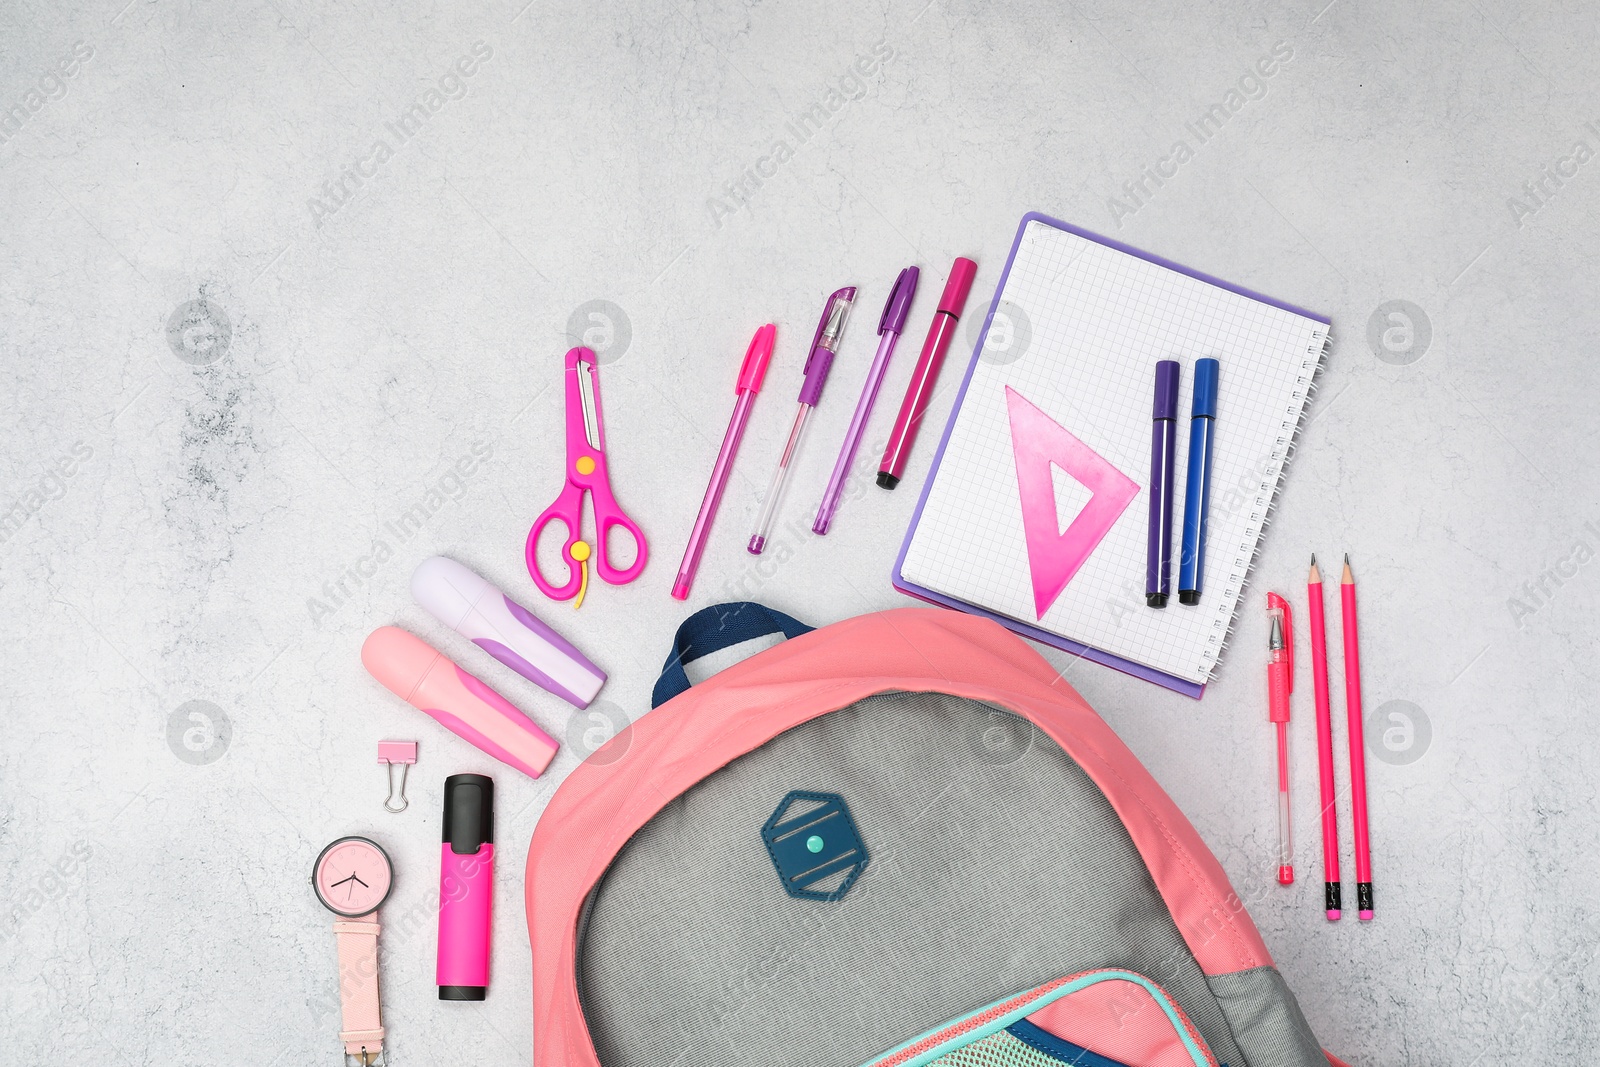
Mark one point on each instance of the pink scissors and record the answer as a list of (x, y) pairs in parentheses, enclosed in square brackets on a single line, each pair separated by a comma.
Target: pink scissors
[(586, 473)]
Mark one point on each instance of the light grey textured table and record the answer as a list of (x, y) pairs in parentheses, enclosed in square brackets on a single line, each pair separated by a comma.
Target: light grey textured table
[(216, 501)]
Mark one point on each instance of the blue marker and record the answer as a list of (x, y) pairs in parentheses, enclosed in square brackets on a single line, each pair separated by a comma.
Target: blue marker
[(1197, 493)]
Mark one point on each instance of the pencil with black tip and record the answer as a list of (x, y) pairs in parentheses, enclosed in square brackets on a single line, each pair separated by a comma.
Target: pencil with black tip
[(1332, 891), (1358, 763)]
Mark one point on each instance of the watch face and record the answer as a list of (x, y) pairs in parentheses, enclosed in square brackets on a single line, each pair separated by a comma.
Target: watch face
[(352, 876)]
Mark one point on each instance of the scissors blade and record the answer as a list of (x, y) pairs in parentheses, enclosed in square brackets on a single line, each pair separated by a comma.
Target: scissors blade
[(591, 416)]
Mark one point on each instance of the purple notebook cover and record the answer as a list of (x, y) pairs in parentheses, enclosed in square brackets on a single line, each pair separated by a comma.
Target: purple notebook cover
[(1138, 670)]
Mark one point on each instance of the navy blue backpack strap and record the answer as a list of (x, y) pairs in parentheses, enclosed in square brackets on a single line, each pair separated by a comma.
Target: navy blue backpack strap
[(713, 629)]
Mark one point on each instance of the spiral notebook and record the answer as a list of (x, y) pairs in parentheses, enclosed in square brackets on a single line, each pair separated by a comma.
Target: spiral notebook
[(1036, 513)]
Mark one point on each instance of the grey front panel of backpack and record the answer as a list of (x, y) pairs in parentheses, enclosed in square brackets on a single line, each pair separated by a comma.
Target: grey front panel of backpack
[(1266, 1019), (993, 865)]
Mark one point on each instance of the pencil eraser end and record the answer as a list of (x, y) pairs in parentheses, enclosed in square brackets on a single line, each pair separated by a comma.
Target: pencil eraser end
[(1364, 916), (1333, 915), (1189, 596), (887, 480), (1286, 875), (954, 297)]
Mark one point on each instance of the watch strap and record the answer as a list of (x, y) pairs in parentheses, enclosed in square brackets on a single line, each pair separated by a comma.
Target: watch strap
[(362, 1031)]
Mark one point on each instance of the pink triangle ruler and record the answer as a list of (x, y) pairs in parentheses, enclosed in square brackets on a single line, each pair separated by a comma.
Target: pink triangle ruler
[(1054, 554)]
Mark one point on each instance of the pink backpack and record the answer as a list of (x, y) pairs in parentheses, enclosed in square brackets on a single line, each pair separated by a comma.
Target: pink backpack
[(898, 840)]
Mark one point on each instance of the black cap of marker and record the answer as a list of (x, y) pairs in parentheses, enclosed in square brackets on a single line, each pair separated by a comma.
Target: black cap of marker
[(468, 812)]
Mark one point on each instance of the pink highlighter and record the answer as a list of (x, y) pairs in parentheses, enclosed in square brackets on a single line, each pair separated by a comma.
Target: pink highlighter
[(425, 678), (472, 606), (466, 887)]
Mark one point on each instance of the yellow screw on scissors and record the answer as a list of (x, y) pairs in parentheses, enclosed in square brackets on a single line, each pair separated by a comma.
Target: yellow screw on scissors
[(580, 552)]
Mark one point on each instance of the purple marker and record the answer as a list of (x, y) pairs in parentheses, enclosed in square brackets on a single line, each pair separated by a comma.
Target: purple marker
[(1163, 439), (474, 608), (824, 343), (890, 324)]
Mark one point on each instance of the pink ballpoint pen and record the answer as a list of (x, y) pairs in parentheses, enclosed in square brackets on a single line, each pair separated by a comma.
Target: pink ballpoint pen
[(751, 372), (1280, 683), (890, 324)]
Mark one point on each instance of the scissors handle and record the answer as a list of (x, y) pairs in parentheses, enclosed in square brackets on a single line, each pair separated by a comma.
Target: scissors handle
[(566, 509), (608, 516)]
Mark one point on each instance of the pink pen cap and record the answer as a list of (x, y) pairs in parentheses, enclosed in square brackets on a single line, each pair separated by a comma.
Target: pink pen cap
[(425, 678), (753, 371)]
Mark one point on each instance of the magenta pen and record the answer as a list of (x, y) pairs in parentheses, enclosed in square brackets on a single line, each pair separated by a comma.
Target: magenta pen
[(824, 343), (919, 391), (466, 887)]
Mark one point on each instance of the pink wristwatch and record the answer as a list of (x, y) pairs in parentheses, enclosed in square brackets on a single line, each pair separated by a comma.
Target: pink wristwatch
[(352, 878)]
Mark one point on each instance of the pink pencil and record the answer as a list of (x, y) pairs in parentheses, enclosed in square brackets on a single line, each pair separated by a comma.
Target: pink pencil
[(1358, 763), (1332, 890)]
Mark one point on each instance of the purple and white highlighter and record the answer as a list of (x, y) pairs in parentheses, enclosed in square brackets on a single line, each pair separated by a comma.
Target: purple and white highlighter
[(472, 606)]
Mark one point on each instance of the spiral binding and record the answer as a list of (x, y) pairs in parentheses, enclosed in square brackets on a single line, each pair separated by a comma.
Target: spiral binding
[(1272, 486)]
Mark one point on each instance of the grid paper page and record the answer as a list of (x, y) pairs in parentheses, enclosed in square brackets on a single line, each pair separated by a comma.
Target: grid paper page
[(1098, 320)]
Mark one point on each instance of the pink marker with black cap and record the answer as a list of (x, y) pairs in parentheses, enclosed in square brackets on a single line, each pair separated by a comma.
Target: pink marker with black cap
[(466, 887), (941, 331)]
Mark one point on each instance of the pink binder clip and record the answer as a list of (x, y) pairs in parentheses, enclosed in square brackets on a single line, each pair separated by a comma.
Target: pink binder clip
[(403, 753)]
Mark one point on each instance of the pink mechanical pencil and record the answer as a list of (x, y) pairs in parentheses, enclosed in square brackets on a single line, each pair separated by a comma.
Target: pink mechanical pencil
[(751, 372), (1280, 683), (466, 887)]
